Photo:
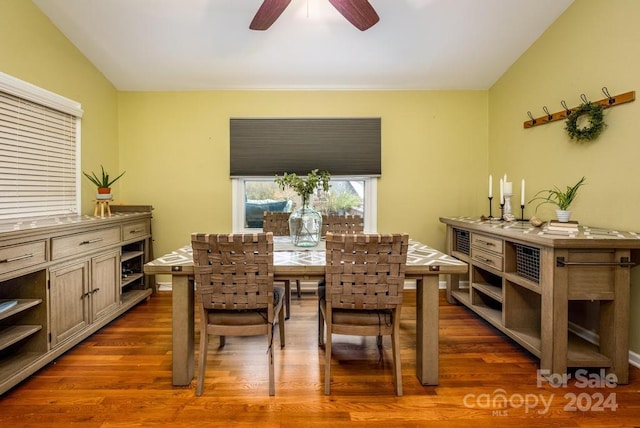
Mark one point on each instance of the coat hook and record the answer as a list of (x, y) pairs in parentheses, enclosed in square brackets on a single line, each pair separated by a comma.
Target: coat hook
[(605, 91), (533, 121), (546, 110), (584, 98), (567, 110)]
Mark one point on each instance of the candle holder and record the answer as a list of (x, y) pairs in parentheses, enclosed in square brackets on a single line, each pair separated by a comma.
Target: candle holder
[(507, 215), (490, 215), (502, 210), (522, 212)]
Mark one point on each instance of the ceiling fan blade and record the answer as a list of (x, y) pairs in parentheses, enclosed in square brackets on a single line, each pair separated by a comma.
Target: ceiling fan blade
[(358, 12), (269, 11)]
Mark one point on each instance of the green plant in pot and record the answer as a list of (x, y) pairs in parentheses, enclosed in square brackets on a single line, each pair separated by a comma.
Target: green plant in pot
[(305, 223), (560, 198), (103, 182)]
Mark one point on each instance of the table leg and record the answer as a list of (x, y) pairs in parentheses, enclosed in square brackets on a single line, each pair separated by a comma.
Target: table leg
[(183, 330), (427, 329)]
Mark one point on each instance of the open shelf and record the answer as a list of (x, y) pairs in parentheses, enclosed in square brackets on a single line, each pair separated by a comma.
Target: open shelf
[(128, 255), (492, 291), (22, 305), (15, 333)]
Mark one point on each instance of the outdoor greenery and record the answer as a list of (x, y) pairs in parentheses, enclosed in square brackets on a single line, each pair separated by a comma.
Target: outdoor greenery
[(102, 181), (562, 199), (304, 187)]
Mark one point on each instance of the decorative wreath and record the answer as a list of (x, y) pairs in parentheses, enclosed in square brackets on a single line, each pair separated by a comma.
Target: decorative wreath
[(596, 122)]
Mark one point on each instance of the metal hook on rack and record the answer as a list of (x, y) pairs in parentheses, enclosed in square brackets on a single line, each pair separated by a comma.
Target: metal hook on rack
[(567, 110), (533, 121), (546, 110), (584, 99), (605, 91)]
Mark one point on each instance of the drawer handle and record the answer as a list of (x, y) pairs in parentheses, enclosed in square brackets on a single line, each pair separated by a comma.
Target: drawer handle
[(480, 241), (137, 231), (15, 259), (482, 259), (624, 262), (91, 241)]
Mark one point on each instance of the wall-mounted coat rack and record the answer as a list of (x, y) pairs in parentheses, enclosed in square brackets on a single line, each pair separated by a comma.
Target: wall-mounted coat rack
[(610, 101)]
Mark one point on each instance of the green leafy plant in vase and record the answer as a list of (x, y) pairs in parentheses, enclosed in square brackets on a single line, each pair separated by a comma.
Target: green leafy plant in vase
[(305, 223), (562, 199), (102, 182)]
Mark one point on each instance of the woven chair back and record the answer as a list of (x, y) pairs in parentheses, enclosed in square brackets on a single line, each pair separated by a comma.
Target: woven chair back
[(365, 271), (276, 222), (347, 223), (234, 271)]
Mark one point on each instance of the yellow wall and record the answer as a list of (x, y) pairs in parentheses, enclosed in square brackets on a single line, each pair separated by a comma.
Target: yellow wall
[(175, 148), (33, 50), (438, 147), (593, 44)]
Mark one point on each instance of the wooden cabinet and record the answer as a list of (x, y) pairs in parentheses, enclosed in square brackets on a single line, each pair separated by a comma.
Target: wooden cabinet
[(62, 279), (544, 289)]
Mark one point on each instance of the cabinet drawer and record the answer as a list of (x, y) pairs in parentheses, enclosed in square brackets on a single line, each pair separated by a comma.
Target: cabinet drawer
[(135, 230), (81, 243), (487, 258), (487, 243), (22, 256)]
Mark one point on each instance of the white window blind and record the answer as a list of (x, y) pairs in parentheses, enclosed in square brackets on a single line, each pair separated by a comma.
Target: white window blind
[(38, 158)]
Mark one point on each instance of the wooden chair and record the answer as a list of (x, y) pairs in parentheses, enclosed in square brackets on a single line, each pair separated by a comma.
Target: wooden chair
[(234, 285), (338, 223), (363, 292), (278, 224)]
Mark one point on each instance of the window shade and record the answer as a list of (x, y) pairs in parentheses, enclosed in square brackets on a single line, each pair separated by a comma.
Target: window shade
[(342, 146), (38, 168)]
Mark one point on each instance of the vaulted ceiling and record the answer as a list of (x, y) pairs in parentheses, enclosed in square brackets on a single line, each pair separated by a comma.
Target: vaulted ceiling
[(181, 45)]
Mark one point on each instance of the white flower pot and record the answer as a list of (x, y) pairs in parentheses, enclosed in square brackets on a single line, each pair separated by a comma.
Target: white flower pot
[(563, 215)]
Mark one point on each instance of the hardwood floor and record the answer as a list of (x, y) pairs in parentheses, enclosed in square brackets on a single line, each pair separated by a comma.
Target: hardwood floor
[(121, 376)]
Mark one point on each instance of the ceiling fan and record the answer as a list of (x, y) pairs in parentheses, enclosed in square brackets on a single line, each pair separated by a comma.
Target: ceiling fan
[(360, 13)]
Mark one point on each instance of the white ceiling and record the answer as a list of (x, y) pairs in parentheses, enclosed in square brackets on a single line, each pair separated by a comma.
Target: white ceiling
[(181, 45)]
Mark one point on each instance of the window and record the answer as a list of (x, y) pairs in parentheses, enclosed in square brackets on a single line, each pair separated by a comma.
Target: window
[(347, 195), (39, 151)]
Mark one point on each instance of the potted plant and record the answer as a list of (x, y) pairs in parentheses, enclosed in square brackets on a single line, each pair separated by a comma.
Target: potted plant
[(561, 199), (305, 223), (103, 183)]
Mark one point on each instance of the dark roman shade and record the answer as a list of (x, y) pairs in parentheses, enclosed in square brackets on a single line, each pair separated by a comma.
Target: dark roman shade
[(341, 146)]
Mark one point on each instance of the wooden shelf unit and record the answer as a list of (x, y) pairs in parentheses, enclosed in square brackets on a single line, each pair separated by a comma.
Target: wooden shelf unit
[(518, 283), (65, 275)]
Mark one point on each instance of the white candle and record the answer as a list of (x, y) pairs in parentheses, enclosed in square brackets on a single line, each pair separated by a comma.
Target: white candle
[(522, 194), (508, 188), (505, 177), (490, 186), (501, 191)]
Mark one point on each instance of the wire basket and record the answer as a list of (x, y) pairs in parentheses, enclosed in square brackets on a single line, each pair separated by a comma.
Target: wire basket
[(462, 241), (528, 262)]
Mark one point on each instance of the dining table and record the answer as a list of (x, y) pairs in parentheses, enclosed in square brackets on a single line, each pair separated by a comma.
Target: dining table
[(424, 265)]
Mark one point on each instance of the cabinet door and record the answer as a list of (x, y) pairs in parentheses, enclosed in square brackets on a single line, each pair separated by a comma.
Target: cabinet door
[(105, 284), (69, 298)]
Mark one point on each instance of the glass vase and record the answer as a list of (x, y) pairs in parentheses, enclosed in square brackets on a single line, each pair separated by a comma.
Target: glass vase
[(305, 227)]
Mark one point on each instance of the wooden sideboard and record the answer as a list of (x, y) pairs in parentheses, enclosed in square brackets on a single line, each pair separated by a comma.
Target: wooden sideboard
[(63, 278), (564, 296)]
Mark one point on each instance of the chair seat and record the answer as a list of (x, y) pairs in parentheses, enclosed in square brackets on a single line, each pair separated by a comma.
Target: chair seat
[(246, 317)]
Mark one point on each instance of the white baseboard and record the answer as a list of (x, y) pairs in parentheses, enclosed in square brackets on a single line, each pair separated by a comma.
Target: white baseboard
[(593, 337)]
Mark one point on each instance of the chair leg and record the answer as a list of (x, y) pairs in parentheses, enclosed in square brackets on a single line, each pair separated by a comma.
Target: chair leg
[(327, 363), (287, 299), (397, 365), (202, 359), (281, 326), (320, 325), (272, 388)]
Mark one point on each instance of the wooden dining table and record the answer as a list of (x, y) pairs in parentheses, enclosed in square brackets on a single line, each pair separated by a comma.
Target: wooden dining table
[(424, 265)]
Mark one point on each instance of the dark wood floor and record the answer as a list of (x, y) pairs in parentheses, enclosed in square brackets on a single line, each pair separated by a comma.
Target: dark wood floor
[(121, 376)]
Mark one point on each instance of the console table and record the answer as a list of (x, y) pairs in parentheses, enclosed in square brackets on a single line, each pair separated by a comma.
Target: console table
[(62, 278), (540, 288)]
